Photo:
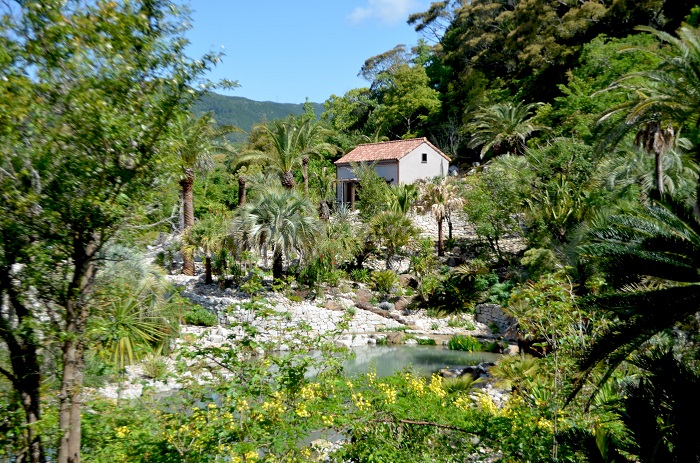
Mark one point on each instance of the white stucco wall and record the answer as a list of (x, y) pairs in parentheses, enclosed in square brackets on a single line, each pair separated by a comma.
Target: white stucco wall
[(411, 168)]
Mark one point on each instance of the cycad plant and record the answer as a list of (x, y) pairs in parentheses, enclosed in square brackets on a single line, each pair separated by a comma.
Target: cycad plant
[(132, 316), (662, 242), (280, 220)]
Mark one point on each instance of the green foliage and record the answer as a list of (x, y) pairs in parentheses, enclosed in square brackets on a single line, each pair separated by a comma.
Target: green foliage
[(360, 275), (426, 341), (384, 281), (373, 192), (464, 342), (492, 202), (199, 316)]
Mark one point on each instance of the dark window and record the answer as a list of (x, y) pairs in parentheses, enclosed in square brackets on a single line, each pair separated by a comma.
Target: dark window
[(424, 157)]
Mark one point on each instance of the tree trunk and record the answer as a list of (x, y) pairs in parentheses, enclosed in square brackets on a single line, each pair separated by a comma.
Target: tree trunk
[(76, 315), (207, 266), (288, 180), (188, 206), (305, 173), (449, 226), (658, 161), (23, 353), (324, 213), (277, 268), (441, 244), (241, 190)]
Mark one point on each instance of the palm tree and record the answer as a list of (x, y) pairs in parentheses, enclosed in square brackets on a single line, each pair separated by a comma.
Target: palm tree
[(404, 196), (503, 127), (281, 220), (208, 236), (292, 142), (440, 196), (661, 242), (664, 99), (194, 141)]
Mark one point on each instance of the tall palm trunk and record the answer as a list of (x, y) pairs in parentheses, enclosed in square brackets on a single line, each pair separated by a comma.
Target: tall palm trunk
[(207, 268), (305, 173), (658, 159), (277, 267), (441, 240), (241, 190), (188, 212)]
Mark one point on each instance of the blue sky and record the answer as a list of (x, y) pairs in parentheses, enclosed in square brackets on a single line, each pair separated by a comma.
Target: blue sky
[(286, 51)]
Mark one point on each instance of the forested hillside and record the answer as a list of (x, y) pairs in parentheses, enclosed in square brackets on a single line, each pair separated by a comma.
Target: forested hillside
[(244, 113)]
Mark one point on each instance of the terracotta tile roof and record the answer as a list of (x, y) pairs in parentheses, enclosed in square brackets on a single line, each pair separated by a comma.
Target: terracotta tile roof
[(385, 151)]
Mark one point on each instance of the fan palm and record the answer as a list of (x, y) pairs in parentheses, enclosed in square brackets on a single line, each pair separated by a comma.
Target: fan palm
[(194, 141), (503, 127), (280, 220), (208, 236), (439, 196), (663, 242)]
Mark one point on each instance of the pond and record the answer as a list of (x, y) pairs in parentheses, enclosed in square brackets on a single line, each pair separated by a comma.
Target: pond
[(424, 360)]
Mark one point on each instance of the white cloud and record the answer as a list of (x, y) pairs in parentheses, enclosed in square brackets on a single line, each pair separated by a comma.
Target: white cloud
[(387, 11)]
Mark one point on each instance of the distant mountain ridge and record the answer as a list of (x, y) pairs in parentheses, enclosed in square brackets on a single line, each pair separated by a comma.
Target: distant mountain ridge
[(245, 113)]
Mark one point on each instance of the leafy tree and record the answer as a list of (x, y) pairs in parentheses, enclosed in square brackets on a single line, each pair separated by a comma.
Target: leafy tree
[(194, 141), (407, 101), (280, 220), (83, 146), (373, 191), (492, 201)]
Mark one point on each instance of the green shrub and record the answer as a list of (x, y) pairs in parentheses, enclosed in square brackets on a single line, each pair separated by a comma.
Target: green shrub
[(426, 342), (384, 280), (360, 275), (462, 342), (154, 366), (200, 316)]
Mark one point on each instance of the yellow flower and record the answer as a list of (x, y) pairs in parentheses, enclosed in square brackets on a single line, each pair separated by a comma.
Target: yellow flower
[(436, 386), (122, 431), (360, 401), (327, 420), (251, 456), (486, 404), (302, 411)]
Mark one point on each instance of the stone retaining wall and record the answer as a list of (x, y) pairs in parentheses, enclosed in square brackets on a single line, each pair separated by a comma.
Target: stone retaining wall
[(492, 314)]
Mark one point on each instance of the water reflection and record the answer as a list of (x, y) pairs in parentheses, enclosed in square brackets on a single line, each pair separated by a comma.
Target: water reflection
[(423, 359)]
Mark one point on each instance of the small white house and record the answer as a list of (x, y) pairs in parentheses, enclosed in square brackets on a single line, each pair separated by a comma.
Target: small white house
[(399, 161)]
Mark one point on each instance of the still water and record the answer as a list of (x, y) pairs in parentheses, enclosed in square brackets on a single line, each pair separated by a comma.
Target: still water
[(422, 359)]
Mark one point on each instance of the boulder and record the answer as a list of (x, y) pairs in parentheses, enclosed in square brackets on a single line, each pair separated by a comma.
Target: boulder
[(401, 304), (411, 342), (363, 295), (408, 280), (332, 305), (365, 306), (395, 338)]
